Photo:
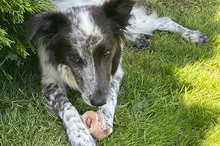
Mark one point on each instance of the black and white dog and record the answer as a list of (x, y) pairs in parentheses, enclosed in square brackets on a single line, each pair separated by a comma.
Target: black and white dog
[(80, 45)]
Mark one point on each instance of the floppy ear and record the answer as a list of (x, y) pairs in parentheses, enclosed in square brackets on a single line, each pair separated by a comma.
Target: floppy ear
[(119, 13), (46, 25)]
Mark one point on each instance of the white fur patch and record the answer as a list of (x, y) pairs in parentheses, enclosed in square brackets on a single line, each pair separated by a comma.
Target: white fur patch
[(49, 74), (87, 25), (66, 4), (140, 22), (67, 76)]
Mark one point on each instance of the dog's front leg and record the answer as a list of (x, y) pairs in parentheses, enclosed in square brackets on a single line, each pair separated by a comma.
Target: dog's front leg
[(77, 132), (107, 111)]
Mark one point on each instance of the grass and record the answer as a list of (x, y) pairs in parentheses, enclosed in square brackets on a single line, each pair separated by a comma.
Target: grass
[(170, 93)]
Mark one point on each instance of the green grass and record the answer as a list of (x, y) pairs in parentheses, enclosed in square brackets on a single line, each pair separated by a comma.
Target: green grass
[(170, 93)]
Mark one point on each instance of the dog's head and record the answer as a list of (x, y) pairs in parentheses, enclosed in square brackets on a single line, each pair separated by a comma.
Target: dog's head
[(86, 43)]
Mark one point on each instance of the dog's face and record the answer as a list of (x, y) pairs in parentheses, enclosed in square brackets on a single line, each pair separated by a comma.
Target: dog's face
[(87, 42)]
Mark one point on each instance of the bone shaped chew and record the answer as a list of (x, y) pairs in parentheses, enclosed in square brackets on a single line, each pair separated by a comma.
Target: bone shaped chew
[(96, 127)]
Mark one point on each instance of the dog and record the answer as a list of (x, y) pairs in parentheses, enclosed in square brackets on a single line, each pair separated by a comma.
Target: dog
[(80, 45)]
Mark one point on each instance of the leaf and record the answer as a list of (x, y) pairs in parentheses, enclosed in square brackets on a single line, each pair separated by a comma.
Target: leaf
[(7, 99), (12, 56), (8, 76), (141, 105)]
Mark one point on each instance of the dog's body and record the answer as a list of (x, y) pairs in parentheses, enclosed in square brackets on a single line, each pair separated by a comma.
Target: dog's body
[(80, 45)]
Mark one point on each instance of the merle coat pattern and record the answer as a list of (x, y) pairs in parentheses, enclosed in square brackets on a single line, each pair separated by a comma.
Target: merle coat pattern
[(80, 45)]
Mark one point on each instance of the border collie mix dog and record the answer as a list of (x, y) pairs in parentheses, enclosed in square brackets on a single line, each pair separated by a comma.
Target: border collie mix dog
[(80, 46)]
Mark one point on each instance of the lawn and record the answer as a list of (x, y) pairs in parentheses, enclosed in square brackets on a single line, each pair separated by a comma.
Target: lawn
[(170, 94)]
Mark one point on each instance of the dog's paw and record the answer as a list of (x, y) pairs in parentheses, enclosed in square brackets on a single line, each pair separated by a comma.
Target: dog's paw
[(196, 37), (80, 136), (142, 42), (97, 125)]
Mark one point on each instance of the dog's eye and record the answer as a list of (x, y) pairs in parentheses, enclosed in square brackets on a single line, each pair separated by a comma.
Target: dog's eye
[(106, 53), (74, 58)]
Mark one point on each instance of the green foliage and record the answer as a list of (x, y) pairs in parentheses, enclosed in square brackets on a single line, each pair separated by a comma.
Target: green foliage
[(13, 39)]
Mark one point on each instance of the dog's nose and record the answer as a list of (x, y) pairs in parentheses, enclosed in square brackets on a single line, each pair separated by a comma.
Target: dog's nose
[(98, 98), (98, 101)]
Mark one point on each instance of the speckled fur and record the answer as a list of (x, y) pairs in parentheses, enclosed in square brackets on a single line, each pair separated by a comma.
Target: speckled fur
[(72, 41)]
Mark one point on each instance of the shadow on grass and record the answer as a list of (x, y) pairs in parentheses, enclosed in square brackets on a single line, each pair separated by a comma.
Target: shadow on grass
[(24, 119), (26, 80), (151, 108)]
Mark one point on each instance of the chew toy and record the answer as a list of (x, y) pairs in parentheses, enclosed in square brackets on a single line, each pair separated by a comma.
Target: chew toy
[(96, 127)]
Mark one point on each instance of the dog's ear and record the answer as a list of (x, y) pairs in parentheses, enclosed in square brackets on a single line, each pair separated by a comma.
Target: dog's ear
[(46, 25), (119, 13)]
